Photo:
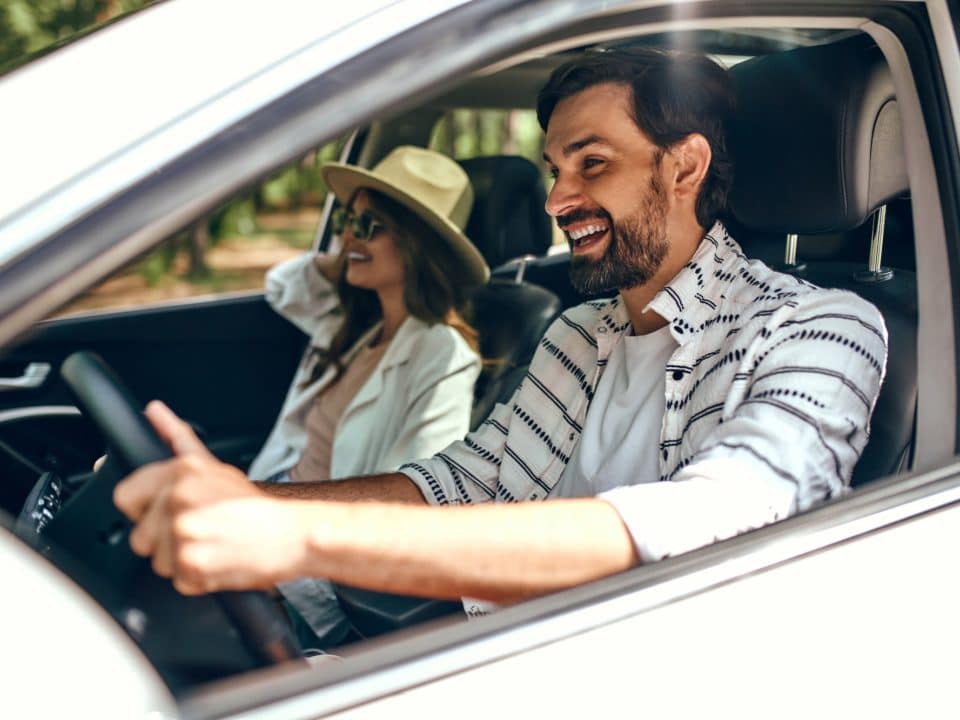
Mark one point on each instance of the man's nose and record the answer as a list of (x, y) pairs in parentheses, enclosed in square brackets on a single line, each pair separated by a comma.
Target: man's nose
[(565, 195)]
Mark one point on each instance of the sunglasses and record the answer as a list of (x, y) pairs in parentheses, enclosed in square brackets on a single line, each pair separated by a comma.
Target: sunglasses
[(364, 225)]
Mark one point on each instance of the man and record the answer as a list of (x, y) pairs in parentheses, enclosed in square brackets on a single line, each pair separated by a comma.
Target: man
[(709, 397)]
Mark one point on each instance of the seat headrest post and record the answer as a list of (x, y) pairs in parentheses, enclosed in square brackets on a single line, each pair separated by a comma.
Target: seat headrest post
[(876, 239), (522, 267), (875, 271), (790, 252)]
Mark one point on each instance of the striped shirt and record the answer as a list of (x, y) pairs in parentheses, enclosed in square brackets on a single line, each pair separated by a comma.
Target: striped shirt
[(768, 397)]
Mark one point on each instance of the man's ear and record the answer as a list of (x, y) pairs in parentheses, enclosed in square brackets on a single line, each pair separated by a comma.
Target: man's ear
[(692, 160)]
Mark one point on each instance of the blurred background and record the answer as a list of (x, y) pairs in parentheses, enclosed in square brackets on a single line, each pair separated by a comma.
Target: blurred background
[(230, 249)]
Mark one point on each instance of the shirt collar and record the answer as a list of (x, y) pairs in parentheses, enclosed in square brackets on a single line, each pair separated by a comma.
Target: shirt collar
[(695, 293)]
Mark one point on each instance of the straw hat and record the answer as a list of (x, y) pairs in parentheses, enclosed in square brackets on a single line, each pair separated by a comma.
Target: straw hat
[(430, 184)]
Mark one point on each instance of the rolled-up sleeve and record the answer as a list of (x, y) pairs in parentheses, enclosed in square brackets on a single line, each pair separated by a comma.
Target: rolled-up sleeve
[(466, 471)]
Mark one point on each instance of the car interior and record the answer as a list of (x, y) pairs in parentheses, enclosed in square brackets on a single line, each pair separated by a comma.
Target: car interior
[(820, 192)]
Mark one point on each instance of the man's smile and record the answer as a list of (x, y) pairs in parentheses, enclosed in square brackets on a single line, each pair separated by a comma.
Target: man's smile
[(586, 236)]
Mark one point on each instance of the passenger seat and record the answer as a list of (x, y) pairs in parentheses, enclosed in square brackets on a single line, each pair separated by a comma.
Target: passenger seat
[(511, 315)]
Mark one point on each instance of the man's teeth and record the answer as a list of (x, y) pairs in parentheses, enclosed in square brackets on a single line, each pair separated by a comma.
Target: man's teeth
[(357, 256), (584, 231)]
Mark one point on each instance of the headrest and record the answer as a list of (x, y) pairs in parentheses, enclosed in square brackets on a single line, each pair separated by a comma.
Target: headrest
[(508, 219), (816, 139)]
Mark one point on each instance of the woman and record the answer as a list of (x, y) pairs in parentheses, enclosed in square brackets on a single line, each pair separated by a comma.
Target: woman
[(391, 366)]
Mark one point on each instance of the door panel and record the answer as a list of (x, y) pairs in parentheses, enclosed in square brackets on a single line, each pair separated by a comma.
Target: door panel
[(224, 364)]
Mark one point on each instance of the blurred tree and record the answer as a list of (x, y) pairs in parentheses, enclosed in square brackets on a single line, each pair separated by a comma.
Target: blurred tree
[(468, 133)]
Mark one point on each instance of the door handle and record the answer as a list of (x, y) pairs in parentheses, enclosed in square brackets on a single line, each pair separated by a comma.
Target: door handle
[(32, 377)]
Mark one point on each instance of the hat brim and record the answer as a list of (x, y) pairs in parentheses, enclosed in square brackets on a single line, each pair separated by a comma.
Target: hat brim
[(344, 181)]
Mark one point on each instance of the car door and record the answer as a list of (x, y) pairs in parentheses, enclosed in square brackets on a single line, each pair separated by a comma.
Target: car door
[(224, 363)]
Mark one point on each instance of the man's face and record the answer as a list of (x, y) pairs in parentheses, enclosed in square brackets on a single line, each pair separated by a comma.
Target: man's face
[(608, 195)]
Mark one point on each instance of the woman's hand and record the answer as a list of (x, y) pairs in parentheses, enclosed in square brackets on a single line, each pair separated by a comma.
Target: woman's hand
[(329, 265)]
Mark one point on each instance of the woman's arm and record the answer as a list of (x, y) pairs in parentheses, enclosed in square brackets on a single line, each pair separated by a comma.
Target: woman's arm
[(302, 290)]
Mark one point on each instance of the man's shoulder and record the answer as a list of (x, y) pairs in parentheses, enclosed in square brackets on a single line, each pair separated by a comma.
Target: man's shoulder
[(762, 284), (834, 302), (777, 298)]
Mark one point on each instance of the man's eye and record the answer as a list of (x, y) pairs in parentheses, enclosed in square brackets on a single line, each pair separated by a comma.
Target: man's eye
[(590, 163), (553, 173)]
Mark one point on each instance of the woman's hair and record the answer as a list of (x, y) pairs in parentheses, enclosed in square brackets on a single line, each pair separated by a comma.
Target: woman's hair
[(430, 292)]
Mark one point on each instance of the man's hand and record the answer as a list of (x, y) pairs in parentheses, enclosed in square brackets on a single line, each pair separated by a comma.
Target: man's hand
[(203, 522)]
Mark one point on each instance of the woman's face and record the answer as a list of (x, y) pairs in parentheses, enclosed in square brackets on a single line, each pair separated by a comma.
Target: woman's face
[(374, 264)]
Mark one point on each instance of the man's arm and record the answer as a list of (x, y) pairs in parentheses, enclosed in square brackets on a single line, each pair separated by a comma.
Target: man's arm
[(389, 487), (206, 526)]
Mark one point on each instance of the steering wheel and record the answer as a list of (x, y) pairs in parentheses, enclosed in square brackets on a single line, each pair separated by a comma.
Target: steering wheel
[(184, 636)]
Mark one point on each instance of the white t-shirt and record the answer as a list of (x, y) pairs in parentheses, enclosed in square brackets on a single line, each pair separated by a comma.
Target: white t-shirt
[(620, 442)]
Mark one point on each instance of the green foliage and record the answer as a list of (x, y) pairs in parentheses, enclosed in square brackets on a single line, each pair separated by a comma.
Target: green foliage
[(467, 133), (28, 26), (237, 218), (299, 184), (155, 265)]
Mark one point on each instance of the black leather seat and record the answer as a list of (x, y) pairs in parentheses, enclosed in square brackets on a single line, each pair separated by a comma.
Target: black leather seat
[(817, 149), (510, 318), (507, 221)]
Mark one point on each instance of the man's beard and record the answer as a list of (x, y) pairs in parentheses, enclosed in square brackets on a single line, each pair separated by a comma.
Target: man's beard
[(634, 253)]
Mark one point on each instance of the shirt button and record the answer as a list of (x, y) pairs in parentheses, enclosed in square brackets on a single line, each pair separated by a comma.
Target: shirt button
[(677, 375), (602, 329), (572, 436)]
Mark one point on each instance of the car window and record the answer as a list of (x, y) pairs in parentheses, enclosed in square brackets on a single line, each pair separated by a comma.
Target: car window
[(229, 249), (465, 133)]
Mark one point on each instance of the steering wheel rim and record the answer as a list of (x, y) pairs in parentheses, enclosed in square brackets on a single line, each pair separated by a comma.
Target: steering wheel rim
[(111, 406)]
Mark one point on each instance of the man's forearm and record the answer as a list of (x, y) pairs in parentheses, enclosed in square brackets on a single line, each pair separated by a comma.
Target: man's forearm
[(389, 487), (499, 552)]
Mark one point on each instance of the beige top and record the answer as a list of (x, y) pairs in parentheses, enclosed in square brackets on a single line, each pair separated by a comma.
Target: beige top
[(327, 409)]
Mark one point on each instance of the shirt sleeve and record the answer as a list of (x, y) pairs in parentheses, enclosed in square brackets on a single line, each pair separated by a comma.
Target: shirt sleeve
[(298, 291), (466, 471), (790, 443)]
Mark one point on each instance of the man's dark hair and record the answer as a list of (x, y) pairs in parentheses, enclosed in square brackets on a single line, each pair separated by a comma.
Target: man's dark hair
[(674, 94)]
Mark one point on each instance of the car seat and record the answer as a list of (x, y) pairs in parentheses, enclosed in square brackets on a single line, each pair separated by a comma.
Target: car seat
[(817, 153), (510, 315)]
